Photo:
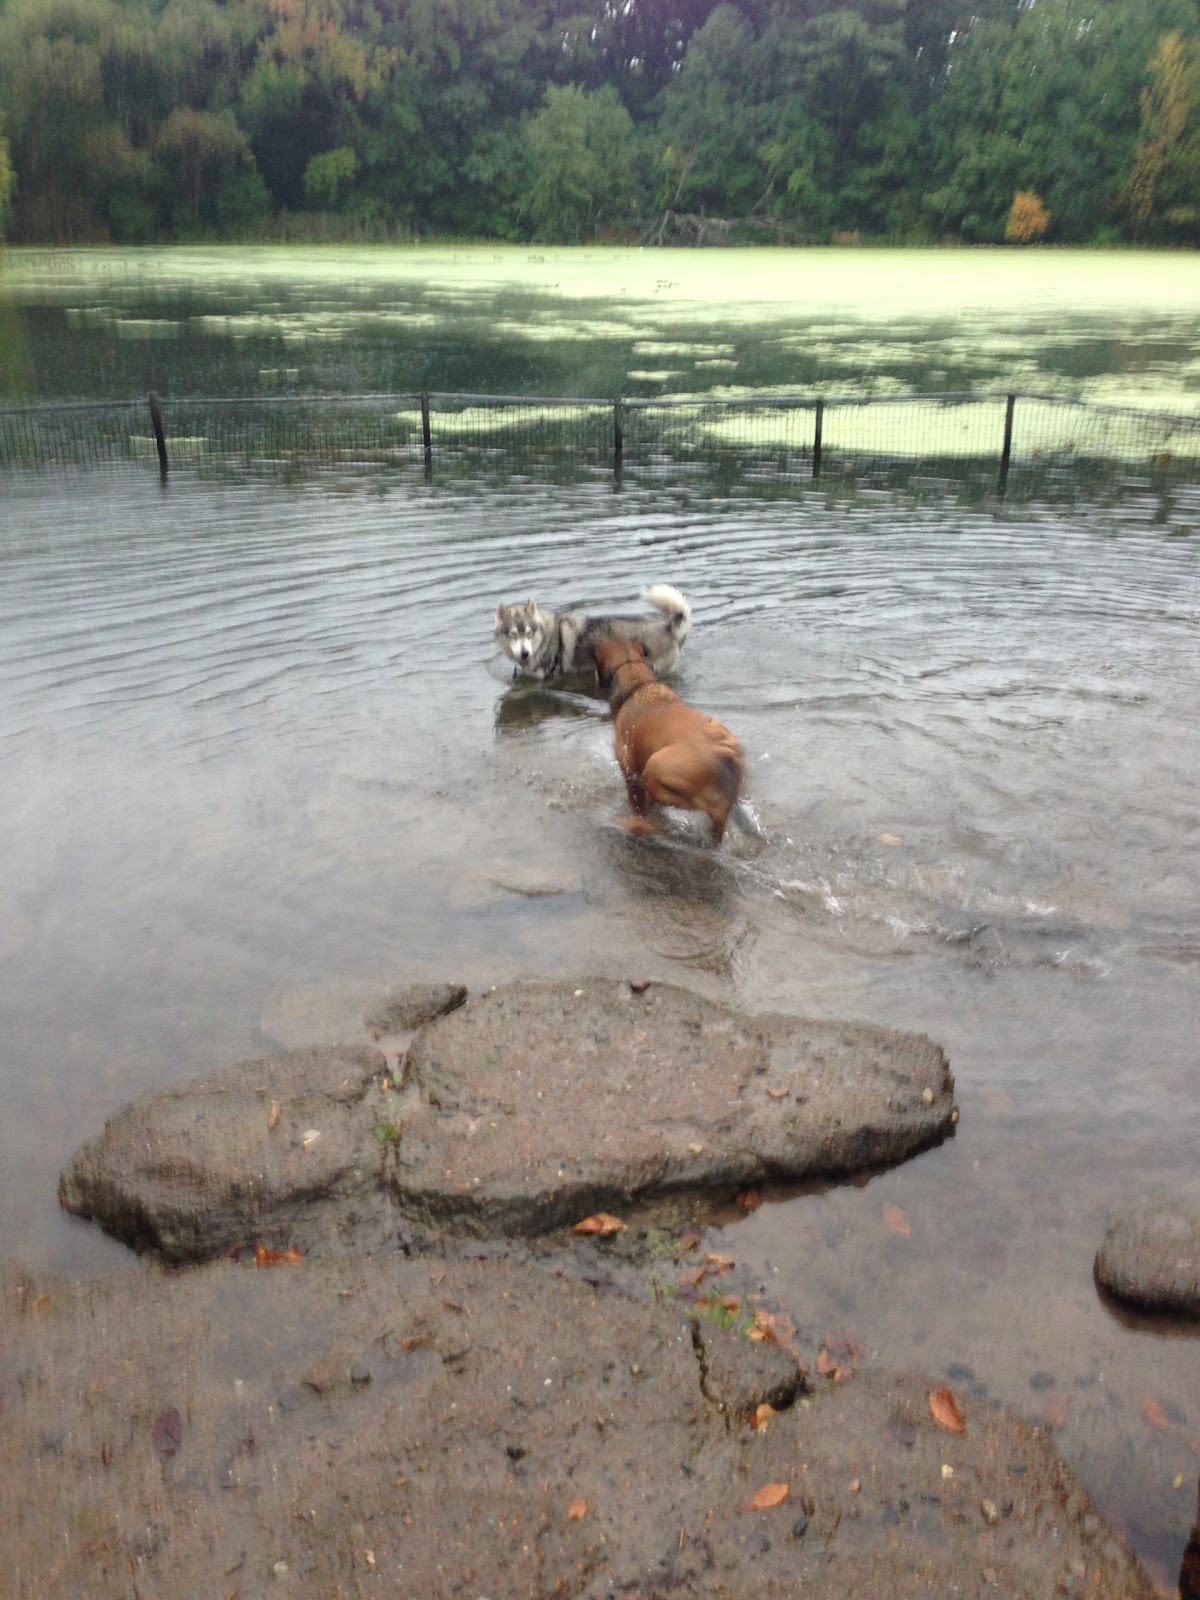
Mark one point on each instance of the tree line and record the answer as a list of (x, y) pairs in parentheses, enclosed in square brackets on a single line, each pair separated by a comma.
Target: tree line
[(806, 121)]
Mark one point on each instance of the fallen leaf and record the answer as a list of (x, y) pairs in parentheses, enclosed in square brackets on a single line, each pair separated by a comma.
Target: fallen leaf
[(839, 1357), (577, 1510), (1155, 1415), (749, 1200), (720, 1263), (944, 1409), (778, 1094), (777, 1328), (276, 1258), (762, 1415), (273, 1118), (896, 1220), (888, 838), (690, 1238), (694, 1275), (1055, 1413), (309, 1137), (603, 1225), (168, 1432), (771, 1494)]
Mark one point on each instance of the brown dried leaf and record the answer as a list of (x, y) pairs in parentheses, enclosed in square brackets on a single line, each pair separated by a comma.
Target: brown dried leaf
[(720, 1263), (771, 1494), (762, 1415), (944, 1409), (577, 1510), (1155, 1415), (276, 1258), (602, 1224), (690, 1238), (749, 1200), (779, 1329), (896, 1220), (826, 1365)]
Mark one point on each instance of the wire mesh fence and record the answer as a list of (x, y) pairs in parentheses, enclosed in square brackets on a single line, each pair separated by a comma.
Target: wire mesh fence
[(800, 437)]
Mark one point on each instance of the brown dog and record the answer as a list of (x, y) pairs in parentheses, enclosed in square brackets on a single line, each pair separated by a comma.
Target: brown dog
[(670, 754)]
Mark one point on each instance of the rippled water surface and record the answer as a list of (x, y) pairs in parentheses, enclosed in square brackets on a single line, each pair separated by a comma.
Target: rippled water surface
[(256, 747)]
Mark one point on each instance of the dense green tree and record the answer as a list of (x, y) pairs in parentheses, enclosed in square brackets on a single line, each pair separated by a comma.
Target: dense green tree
[(1044, 99), (710, 125), (136, 119), (579, 164)]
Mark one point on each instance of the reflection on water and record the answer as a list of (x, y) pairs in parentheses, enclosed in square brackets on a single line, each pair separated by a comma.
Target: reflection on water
[(256, 746)]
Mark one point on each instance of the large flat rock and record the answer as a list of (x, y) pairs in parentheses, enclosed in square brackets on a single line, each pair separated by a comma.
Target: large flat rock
[(521, 1110), (388, 1427), (546, 1100)]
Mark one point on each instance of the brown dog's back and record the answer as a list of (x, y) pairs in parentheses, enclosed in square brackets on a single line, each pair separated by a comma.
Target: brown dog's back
[(670, 754)]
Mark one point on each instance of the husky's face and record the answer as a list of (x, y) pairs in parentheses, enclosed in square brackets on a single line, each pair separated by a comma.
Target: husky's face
[(520, 631)]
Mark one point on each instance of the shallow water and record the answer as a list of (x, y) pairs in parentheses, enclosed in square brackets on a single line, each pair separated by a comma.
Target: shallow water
[(256, 746)]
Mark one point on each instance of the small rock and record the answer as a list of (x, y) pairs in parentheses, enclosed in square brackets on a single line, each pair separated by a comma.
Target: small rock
[(1151, 1256), (360, 1376), (800, 1527), (990, 1514)]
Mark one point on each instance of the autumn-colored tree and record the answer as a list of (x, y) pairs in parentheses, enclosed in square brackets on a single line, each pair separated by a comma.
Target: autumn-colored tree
[(1166, 167), (8, 182), (1028, 218)]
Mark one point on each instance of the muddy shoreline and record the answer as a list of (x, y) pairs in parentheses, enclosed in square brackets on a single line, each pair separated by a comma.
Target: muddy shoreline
[(367, 1353)]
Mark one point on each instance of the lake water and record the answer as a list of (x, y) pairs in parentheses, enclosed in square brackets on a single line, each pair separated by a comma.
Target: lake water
[(258, 755), (1122, 327)]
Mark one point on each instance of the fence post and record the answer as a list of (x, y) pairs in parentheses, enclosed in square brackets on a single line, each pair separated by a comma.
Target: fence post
[(1006, 452), (818, 425), (426, 435), (160, 440), (618, 433)]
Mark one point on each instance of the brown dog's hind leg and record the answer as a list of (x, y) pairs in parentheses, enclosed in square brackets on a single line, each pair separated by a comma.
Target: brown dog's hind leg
[(691, 778)]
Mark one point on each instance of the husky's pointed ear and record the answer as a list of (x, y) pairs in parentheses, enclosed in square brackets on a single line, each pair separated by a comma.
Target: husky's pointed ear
[(501, 613)]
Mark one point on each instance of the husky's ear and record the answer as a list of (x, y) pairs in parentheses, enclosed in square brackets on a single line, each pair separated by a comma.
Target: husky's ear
[(501, 612)]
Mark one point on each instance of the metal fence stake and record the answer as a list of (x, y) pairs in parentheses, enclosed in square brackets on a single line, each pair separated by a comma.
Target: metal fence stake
[(160, 438), (1006, 452)]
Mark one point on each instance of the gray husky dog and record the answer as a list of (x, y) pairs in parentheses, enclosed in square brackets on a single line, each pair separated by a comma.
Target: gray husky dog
[(549, 644)]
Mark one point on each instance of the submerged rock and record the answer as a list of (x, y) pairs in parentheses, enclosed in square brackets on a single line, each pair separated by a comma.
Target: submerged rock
[(1150, 1256), (520, 1111)]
